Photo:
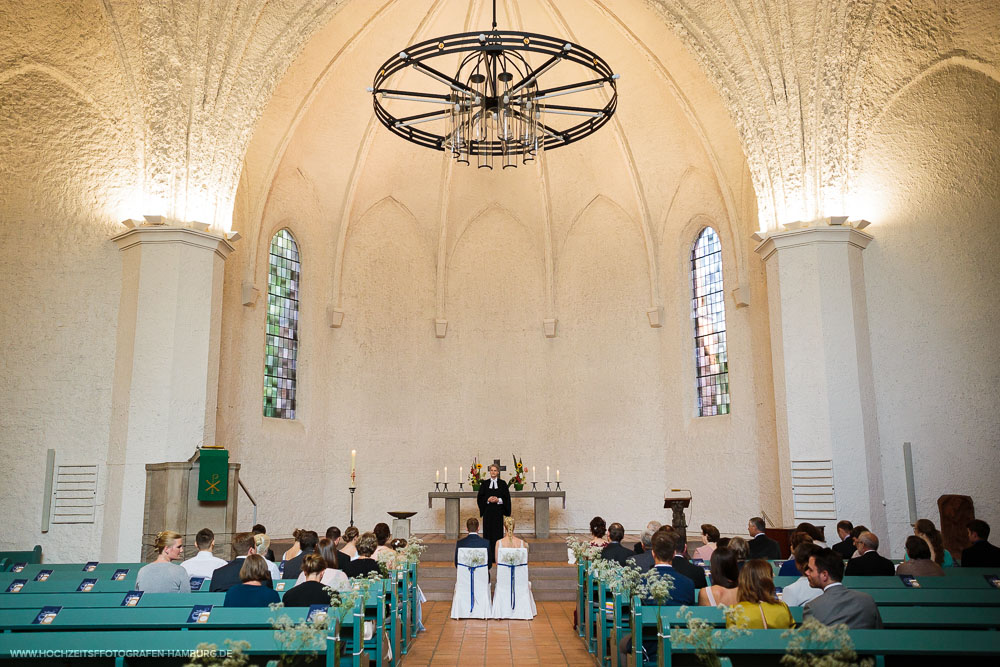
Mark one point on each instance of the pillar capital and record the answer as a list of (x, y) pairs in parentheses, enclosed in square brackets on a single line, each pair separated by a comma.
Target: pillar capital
[(164, 234), (811, 236)]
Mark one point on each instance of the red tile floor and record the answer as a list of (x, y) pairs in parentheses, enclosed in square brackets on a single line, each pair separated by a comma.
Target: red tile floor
[(548, 640)]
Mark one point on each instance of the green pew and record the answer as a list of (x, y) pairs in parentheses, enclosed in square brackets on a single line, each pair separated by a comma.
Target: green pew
[(896, 582), (934, 597), (880, 643), (581, 597), (33, 556), (94, 600)]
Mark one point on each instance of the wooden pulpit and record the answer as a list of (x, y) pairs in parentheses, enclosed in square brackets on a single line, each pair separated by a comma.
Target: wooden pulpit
[(676, 501)]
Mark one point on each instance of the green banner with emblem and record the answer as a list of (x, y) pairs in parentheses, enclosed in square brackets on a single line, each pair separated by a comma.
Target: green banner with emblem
[(213, 477)]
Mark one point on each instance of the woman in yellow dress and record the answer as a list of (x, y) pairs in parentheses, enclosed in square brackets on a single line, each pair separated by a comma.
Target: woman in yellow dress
[(758, 607)]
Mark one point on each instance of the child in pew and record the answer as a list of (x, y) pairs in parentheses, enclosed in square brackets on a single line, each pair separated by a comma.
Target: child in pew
[(759, 607), (163, 576), (312, 590), (252, 592)]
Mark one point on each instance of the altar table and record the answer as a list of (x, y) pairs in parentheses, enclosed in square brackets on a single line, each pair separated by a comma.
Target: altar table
[(452, 508)]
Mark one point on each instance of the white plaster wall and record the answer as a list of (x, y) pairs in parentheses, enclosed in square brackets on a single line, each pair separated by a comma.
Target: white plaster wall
[(932, 175), (395, 236)]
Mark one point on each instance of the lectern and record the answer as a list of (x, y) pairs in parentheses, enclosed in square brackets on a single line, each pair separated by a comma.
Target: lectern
[(678, 502)]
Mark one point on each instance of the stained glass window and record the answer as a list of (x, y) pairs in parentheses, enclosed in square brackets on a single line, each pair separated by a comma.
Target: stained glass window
[(708, 310), (282, 337)]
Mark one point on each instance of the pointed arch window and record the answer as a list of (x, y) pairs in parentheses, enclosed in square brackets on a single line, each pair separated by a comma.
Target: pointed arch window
[(282, 338), (708, 310)]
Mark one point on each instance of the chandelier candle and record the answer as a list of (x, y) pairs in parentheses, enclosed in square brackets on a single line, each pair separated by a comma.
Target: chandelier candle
[(497, 104)]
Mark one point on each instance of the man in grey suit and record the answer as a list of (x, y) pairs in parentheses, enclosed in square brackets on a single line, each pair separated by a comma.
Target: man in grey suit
[(837, 604), (644, 560)]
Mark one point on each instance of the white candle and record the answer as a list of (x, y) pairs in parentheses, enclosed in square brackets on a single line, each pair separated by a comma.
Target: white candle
[(446, 474), (547, 480), (437, 475), (354, 458), (533, 478), (557, 475)]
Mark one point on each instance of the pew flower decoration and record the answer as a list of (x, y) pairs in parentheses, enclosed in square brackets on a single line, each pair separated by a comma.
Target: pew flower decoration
[(476, 474), (704, 637), (626, 581), (812, 638), (656, 586), (411, 553), (233, 655), (581, 551), (518, 479)]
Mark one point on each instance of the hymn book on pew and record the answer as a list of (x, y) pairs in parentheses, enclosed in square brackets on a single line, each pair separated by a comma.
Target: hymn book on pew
[(86, 586), (317, 612), (993, 580), (200, 613), (16, 585), (46, 615), (131, 598), (196, 583), (909, 581), (42, 575), (120, 575), (91, 566), (279, 585), (18, 567)]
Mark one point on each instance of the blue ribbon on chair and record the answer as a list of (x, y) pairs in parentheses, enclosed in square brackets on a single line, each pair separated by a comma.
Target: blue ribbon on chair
[(472, 584), (513, 595)]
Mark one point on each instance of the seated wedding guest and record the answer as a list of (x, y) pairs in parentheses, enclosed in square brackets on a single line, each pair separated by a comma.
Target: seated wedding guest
[(228, 575), (252, 591), (348, 546), (308, 539), (918, 559), (644, 559), (614, 550), (364, 564), (259, 529), (870, 563), (759, 607), (681, 593), (740, 547), (838, 604), (725, 579), (643, 547), (295, 549), (680, 562), (310, 589), (846, 545), (598, 532), (801, 591), (163, 576), (723, 542), (760, 545), (925, 528), (709, 542), (333, 533), (855, 533), (382, 535), (981, 553), (812, 531), (789, 567), (333, 575), (203, 563)]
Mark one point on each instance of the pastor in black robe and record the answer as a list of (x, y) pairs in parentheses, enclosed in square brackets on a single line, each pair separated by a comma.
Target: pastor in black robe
[(493, 513)]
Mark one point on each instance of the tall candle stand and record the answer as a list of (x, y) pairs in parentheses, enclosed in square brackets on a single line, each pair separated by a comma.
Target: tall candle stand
[(352, 488)]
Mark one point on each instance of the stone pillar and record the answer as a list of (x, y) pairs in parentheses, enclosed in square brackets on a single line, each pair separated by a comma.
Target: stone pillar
[(823, 381), (166, 367)]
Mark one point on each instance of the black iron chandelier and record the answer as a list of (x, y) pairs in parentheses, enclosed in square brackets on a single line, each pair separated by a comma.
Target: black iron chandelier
[(495, 105)]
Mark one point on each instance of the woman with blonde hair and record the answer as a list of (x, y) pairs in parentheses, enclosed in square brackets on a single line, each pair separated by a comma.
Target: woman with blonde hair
[(295, 549), (349, 546), (508, 541), (253, 590), (162, 576), (759, 607)]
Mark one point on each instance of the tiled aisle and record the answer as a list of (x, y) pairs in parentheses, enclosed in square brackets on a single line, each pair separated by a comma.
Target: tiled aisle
[(548, 640)]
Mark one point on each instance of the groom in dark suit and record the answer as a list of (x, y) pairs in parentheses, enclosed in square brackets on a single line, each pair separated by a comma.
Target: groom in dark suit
[(494, 505), (472, 540)]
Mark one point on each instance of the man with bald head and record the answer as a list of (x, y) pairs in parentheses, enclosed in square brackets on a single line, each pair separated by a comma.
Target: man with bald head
[(869, 563)]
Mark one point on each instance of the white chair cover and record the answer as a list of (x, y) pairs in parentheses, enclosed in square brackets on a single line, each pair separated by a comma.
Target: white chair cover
[(512, 596), (472, 585)]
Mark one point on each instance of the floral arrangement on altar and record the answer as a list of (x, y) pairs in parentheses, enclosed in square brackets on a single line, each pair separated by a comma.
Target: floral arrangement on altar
[(476, 474), (517, 481)]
